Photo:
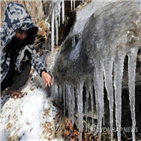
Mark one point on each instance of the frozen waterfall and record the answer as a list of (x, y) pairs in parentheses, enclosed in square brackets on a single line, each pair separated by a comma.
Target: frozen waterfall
[(88, 95), (74, 95)]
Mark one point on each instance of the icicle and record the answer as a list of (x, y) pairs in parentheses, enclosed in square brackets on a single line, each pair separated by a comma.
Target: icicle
[(131, 82), (108, 69), (72, 104), (63, 11), (55, 91), (86, 106), (71, 4), (99, 94), (118, 74), (56, 23), (92, 104), (60, 93), (59, 12), (52, 31), (80, 109), (69, 99), (64, 98), (74, 3)]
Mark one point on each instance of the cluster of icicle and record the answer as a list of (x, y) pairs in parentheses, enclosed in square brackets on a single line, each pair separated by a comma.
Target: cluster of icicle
[(103, 77), (56, 14), (58, 9), (73, 98)]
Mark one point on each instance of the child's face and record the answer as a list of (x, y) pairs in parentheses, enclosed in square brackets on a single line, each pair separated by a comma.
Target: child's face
[(21, 34)]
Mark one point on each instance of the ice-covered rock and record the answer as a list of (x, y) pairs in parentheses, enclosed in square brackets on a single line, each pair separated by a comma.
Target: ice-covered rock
[(95, 52)]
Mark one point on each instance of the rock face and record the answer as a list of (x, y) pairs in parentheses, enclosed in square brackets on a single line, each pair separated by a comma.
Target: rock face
[(104, 40)]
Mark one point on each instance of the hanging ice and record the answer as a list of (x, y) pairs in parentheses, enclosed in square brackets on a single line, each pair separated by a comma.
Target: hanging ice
[(64, 98), (72, 4), (71, 104), (56, 23), (52, 31), (132, 55), (86, 105), (118, 74), (92, 104), (63, 11), (108, 69), (56, 11), (99, 94), (60, 93), (80, 108)]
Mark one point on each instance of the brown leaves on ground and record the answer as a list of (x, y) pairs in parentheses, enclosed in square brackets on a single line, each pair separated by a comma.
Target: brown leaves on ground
[(72, 132)]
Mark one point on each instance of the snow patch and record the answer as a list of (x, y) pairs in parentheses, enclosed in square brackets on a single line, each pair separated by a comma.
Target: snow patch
[(25, 118)]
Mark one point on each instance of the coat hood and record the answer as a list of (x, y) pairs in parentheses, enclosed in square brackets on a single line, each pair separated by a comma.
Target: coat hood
[(17, 17)]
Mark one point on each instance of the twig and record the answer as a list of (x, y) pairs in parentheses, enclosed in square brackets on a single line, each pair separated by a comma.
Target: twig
[(39, 43)]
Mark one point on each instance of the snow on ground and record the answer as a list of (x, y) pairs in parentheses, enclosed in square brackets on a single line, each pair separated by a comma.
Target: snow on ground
[(28, 118)]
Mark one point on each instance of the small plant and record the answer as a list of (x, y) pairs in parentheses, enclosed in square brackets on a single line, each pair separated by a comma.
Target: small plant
[(106, 136)]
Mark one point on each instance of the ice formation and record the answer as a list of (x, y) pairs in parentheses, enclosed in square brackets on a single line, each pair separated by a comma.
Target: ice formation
[(56, 14), (73, 97)]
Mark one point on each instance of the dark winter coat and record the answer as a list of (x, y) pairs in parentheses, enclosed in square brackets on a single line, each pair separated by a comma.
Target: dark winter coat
[(17, 17)]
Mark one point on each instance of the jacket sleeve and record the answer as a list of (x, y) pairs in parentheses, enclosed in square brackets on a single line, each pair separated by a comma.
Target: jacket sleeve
[(37, 63), (1, 47), (2, 59)]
